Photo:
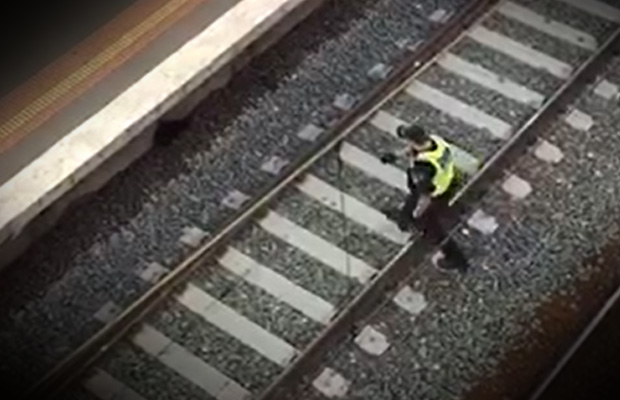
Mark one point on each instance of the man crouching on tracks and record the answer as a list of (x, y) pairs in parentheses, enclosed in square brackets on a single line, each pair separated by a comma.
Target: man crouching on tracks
[(430, 178)]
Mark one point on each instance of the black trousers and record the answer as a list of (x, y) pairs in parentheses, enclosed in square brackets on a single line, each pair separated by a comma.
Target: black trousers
[(430, 224)]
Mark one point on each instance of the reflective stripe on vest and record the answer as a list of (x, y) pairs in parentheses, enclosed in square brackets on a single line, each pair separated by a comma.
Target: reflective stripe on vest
[(441, 158)]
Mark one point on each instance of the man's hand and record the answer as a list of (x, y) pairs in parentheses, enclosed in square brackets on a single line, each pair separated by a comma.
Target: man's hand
[(388, 158)]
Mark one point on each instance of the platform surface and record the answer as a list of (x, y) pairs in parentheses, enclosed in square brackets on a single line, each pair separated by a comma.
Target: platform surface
[(59, 129), (39, 112)]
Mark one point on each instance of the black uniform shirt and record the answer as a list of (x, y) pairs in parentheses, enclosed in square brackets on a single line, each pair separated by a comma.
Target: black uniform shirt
[(420, 180), (420, 176)]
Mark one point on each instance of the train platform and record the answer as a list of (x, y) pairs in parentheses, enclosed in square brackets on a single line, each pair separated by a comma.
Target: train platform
[(252, 255), (92, 111)]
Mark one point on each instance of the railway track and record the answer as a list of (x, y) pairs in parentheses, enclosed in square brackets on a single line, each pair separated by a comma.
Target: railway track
[(244, 315)]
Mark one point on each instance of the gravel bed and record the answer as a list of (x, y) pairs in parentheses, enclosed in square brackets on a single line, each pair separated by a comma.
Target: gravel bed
[(477, 142), (296, 266), (504, 65), (605, 113), (339, 230), (148, 377), (482, 98), (535, 256), (399, 323), (556, 48), (258, 306), (59, 323), (311, 394), (182, 185), (359, 368), (562, 12), (223, 352)]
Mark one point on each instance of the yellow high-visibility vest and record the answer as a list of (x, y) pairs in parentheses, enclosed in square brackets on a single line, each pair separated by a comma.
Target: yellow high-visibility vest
[(441, 158)]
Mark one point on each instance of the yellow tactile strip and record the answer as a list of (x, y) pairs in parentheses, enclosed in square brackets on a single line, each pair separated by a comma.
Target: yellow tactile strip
[(60, 84)]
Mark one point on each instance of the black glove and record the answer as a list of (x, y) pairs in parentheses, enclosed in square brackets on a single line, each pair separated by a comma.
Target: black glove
[(388, 158)]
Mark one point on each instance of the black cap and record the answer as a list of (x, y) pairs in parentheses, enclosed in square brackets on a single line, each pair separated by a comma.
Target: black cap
[(415, 133)]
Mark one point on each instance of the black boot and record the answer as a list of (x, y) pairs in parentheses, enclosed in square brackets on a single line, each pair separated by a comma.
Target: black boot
[(445, 263)]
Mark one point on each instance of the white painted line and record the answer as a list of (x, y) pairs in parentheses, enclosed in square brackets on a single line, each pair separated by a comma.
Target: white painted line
[(579, 120), (352, 208), (607, 90), (482, 222), (331, 384), (521, 52), (517, 187), (411, 301), (317, 247), (548, 152), (372, 166), (278, 286), (106, 387), (372, 341), (236, 325), (490, 80), (596, 8), (463, 160), (552, 28), (459, 110), (188, 365)]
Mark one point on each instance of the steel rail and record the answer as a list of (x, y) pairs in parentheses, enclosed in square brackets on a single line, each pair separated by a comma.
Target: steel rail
[(413, 253), (73, 366)]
